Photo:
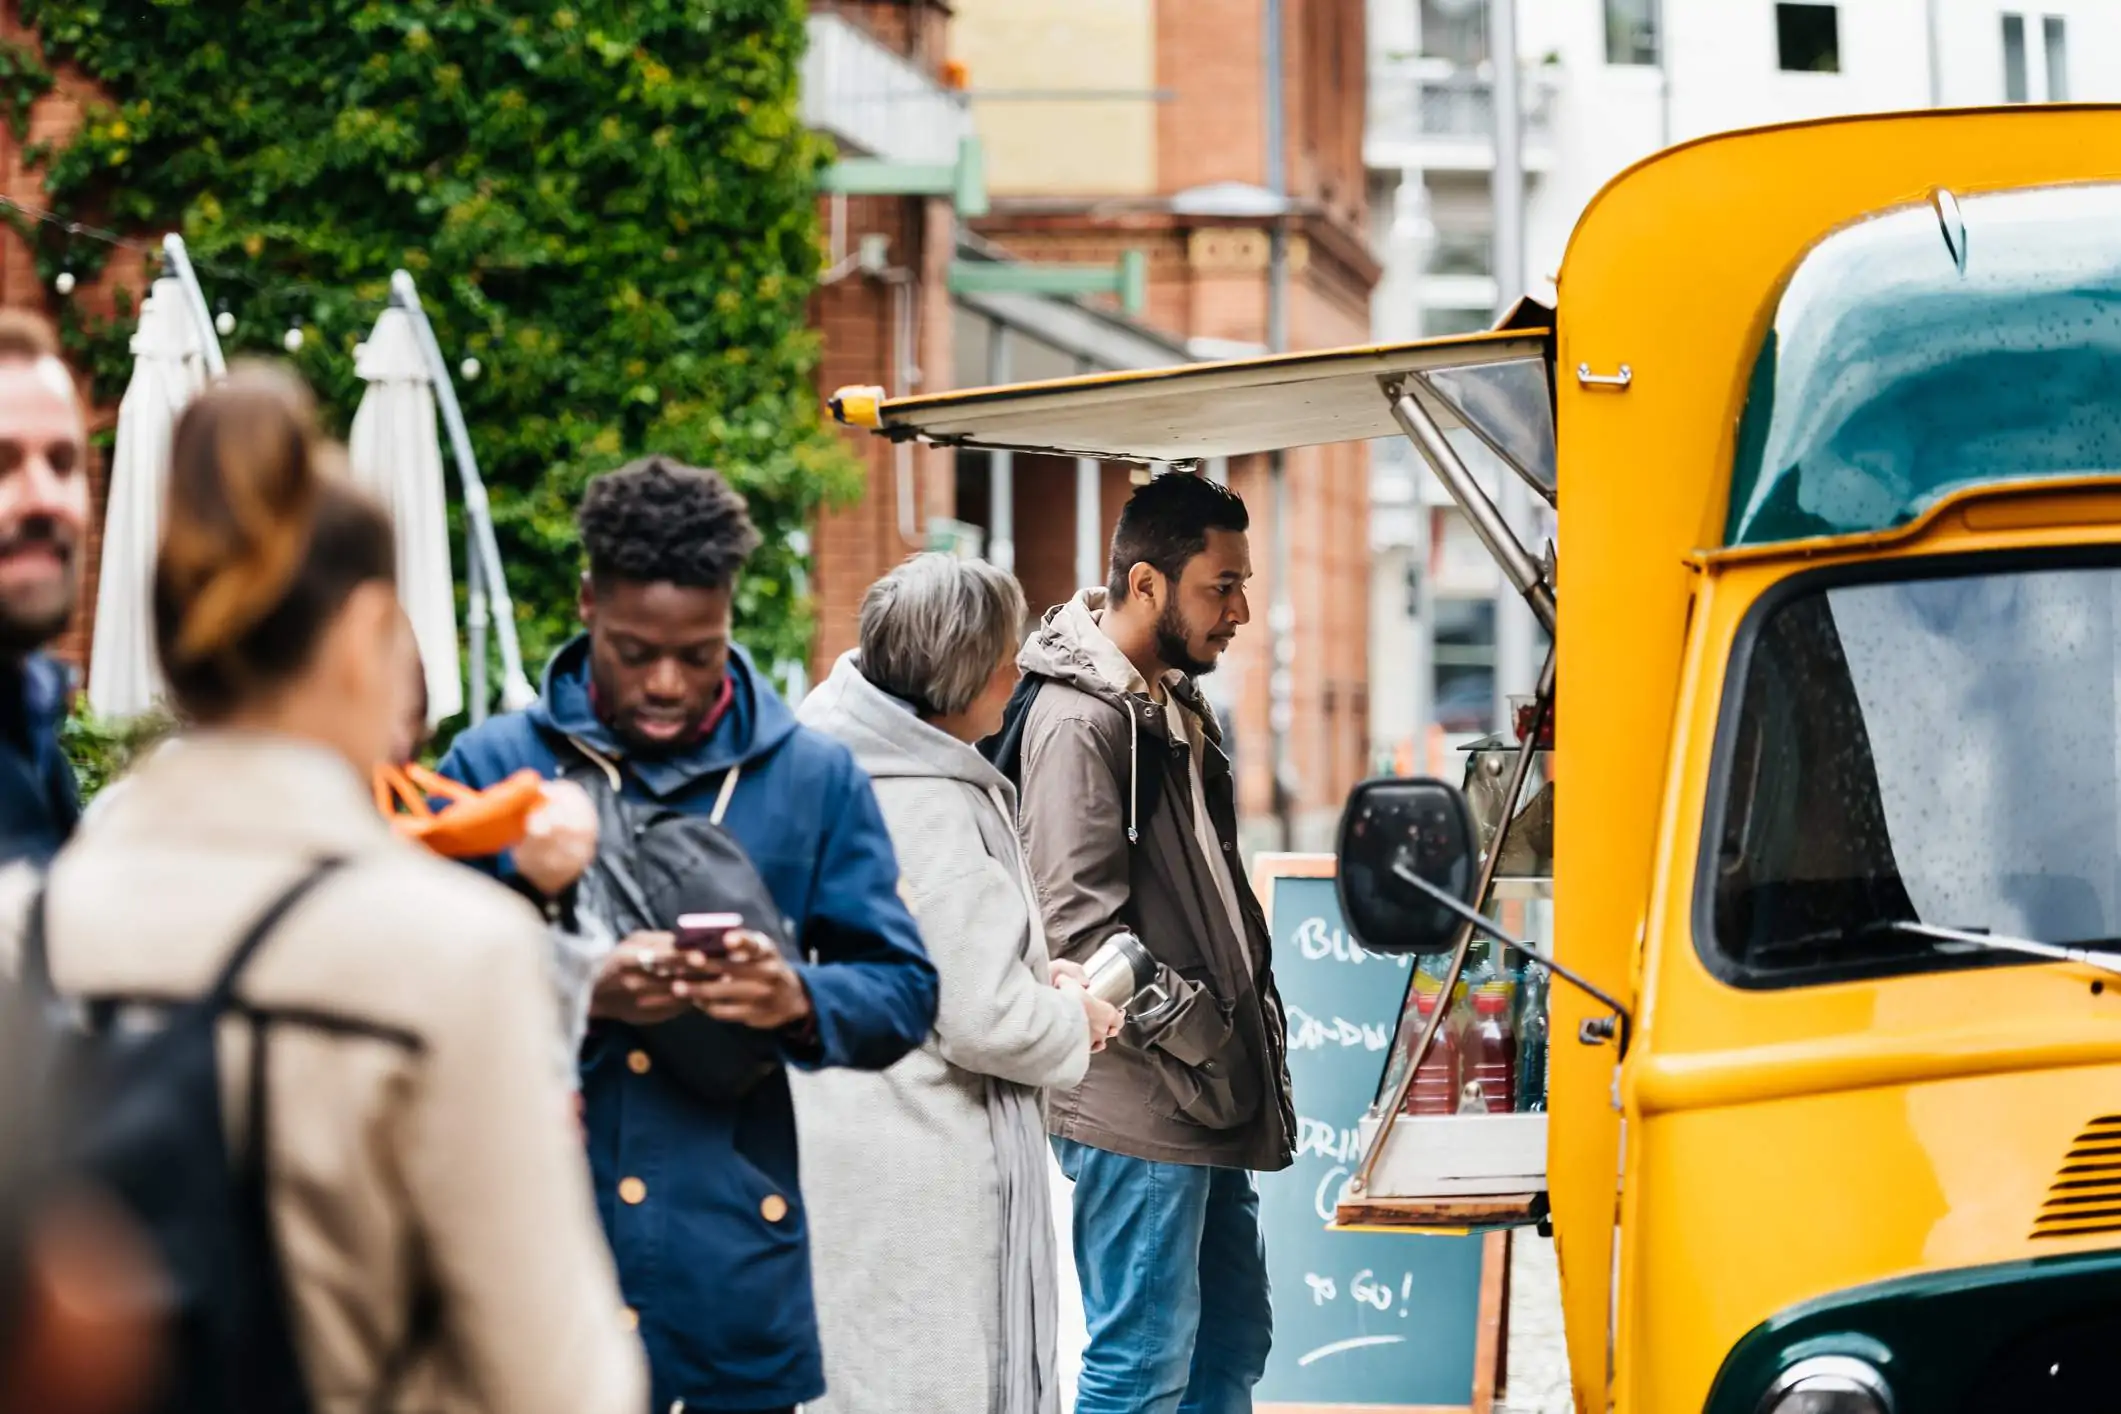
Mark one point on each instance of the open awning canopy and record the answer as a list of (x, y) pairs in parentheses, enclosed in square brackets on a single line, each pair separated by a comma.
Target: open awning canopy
[(1494, 384)]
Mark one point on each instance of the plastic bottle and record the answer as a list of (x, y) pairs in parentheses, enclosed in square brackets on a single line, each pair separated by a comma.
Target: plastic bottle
[(1490, 1048), (1532, 1042), (1435, 1087)]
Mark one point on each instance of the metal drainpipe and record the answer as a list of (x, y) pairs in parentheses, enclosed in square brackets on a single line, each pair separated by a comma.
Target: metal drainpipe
[(1515, 665), (1089, 514), (1929, 17), (1001, 465), (1281, 614)]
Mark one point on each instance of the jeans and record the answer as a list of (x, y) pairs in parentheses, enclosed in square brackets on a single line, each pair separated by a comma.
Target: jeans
[(1173, 1269)]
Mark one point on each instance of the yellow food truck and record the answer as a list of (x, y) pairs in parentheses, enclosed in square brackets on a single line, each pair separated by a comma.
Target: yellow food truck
[(1831, 417)]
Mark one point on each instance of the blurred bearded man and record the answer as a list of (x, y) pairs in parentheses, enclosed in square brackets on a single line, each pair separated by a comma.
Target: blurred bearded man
[(43, 526)]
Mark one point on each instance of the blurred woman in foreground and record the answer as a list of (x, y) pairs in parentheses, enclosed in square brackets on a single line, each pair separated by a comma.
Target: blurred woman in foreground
[(418, 1151), (937, 1280)]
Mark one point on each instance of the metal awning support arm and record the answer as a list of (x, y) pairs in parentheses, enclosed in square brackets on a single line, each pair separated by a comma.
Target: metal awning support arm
[(1462, 945), (491, 584), (1509, 552)]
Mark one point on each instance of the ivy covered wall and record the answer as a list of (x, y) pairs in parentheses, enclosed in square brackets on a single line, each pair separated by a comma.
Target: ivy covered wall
[(609, 205)]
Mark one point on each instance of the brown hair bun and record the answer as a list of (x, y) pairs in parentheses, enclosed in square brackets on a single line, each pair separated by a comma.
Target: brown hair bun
[(263, 539)]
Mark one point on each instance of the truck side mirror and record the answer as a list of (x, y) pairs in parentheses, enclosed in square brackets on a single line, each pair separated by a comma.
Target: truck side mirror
[(1392, 828)]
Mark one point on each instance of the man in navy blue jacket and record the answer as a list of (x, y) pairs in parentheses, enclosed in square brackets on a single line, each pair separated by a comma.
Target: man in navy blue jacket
[(44, 508), (699, 1200)]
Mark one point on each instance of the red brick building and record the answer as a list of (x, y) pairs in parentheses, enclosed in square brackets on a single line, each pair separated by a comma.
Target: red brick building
[(878, 81)]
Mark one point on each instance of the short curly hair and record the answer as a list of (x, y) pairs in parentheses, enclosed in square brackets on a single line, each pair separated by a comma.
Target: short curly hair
[(657, 521)]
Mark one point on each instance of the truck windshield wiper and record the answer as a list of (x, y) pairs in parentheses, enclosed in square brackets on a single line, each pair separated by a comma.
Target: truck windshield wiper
[(2093, 953)]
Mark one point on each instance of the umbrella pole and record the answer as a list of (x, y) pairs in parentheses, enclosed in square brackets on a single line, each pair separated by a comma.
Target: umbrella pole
[(475, 623), (195, 301), (485, 550)]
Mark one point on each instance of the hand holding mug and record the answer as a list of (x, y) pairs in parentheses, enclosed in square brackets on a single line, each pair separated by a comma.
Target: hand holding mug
[(1104, 1019)]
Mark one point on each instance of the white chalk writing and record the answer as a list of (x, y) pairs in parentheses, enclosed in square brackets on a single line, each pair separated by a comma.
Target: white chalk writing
[(1308, 1033), (1326, 1200), (1317, 1137), (1317, 943), (1366, 1288)]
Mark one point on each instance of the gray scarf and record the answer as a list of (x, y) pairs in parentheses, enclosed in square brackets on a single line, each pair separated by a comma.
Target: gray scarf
[(1030, 1384)]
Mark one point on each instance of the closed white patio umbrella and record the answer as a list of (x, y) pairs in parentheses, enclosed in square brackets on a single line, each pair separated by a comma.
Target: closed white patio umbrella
[(397, 454), (169, 370)]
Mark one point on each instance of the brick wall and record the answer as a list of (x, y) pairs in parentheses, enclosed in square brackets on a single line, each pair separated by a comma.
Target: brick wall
[(1204, 281), (855, 317), (53, 119)]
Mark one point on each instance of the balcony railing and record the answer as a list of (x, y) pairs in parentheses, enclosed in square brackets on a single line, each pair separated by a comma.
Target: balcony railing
[(875, 102), (1433, 105)]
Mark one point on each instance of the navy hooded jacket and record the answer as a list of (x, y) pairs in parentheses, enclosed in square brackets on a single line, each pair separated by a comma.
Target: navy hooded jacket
[(700, 1201), (38, 804)]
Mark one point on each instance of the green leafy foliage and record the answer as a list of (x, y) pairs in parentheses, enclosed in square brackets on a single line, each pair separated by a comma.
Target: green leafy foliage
[(610, 205), (102, 750), (23, 80)]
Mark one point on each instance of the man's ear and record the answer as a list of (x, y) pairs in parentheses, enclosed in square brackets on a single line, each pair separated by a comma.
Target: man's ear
[(1145, 584), (585, 600)]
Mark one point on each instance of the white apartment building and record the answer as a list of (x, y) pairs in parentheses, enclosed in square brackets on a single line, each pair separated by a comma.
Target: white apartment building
[(1606, 83)]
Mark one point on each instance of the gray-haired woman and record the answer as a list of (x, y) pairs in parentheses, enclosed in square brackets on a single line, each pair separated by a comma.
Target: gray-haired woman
[(936, 1269)]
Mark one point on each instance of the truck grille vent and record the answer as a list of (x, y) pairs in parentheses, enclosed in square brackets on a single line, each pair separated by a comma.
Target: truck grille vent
[(2085, 1197)]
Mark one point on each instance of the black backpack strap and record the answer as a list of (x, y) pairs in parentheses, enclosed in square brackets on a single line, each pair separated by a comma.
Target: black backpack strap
[(36, 951), (1005, 749), (223, 990)]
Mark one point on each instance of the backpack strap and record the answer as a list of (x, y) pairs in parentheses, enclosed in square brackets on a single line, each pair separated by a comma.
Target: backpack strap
[(224, 988), (36, 933), (36, 955)]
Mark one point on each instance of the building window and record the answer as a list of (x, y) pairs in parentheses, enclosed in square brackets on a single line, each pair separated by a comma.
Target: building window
[(2057, 59), (2024, 81), (1808, 38), (1631, 31), (1462, 253), (1463, 700), (1456, 30), (1440, 323), (2016, 89)]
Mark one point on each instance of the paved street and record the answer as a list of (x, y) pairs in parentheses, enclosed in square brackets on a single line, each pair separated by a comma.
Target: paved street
[(1539, 1363)]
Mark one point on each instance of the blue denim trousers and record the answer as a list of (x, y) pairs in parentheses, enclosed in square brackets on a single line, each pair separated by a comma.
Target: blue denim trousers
[(1173, 1269)]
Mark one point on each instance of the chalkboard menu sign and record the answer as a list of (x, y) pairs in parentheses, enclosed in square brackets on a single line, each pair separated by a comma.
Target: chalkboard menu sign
[(1376, 1321)]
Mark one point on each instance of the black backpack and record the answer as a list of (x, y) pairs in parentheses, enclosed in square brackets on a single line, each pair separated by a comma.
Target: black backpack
[(139, 1114), (654, 865)]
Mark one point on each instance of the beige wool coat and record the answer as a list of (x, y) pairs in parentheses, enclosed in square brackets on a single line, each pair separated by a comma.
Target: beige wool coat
[(420, 1141)]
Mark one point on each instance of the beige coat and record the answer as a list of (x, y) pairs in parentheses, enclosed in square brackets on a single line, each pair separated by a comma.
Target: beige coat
[(419, 1137)]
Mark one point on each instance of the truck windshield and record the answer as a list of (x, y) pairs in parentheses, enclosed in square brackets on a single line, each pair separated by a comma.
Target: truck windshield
[(1943, 750)]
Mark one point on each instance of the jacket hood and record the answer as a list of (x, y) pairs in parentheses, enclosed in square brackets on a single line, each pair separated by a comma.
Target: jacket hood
[(1068, 646), (758, 721), (886, 737)]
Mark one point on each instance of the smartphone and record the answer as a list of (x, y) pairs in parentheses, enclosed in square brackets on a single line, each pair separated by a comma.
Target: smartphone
[(707, 932)]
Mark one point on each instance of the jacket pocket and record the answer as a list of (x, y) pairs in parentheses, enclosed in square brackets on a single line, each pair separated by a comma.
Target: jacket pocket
[(1192, 1045)]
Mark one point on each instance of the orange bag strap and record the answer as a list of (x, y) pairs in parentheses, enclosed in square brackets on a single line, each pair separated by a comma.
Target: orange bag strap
[(411, 786), (442, 786)]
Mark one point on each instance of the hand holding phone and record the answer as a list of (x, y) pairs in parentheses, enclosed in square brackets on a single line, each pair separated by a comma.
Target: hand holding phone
[(707, 933)]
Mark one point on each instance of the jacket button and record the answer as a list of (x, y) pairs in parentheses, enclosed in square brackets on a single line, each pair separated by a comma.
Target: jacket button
[(773, 1207), (632, 1191), (637, 1061), (1226, 846), (629, 1319)]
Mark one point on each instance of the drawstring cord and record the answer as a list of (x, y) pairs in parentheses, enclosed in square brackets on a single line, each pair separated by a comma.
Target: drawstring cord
[(1134, 754)]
